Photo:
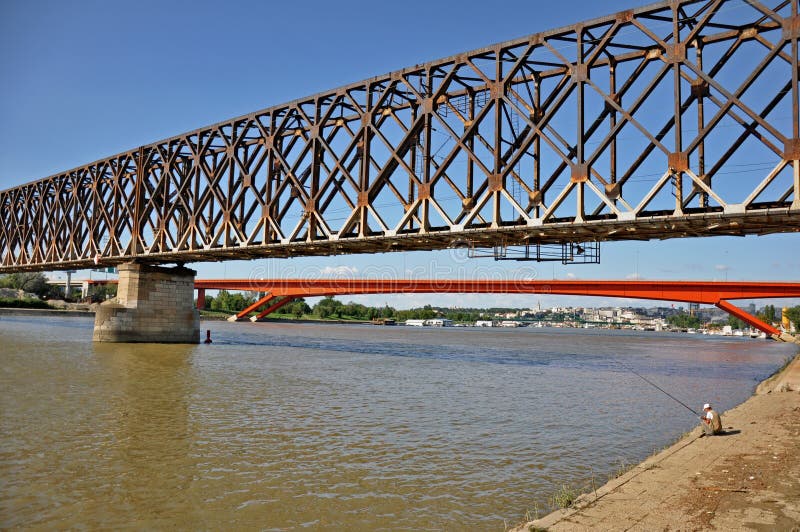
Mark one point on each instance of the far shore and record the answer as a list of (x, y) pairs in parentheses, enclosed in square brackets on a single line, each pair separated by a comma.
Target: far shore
[(90, 314), (212, 316), (46, 312)]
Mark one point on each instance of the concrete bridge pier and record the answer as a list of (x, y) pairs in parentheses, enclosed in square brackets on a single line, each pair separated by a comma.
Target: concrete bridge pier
[(153, 304)]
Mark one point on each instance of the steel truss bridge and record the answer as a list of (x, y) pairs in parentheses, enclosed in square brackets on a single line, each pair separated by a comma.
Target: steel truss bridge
[(676, 119)]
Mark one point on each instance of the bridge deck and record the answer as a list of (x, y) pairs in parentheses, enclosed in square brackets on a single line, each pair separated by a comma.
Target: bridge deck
[(676, 119)]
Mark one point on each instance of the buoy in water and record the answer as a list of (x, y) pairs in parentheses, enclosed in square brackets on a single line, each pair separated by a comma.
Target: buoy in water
[(208, 336)]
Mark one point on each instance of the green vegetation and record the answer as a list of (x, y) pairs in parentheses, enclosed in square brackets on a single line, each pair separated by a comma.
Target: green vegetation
[(684, 321), (214, 314), (35, 283), (225, 301), (736, 323), (768, 314), (103, 292), (329, 308), (794, 315), (23, 303), (563, 498), (298, 308)]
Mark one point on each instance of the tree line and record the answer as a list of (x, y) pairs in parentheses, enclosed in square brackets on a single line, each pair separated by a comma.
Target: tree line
[(36, 283), (331, 308), (768, 314)]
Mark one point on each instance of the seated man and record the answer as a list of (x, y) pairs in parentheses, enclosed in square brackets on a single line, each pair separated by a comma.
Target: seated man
[(712, 423)]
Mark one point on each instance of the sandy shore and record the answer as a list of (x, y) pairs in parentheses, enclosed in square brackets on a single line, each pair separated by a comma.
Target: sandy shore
[(747, 479)]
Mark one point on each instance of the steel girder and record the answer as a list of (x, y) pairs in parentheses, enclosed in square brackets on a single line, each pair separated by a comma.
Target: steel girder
[(675, 119), (707, 292)]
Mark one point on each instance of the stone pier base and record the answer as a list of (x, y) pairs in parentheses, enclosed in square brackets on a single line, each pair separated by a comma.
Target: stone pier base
[(153, 304)]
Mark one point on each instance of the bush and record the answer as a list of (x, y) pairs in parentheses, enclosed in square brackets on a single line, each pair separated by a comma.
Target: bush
[(563, 498), (29, 282)]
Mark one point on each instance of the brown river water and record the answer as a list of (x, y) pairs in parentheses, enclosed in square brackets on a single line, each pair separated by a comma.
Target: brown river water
[(342, 427)]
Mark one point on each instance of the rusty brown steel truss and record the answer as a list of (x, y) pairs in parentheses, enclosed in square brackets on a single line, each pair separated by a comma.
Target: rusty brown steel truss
[(674, 119)]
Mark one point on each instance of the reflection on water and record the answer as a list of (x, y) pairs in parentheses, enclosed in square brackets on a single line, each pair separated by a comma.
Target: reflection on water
[(294, 425), (147, 391)]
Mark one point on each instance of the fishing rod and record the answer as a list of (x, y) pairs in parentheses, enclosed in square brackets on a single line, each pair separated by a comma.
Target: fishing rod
[(656, 386)]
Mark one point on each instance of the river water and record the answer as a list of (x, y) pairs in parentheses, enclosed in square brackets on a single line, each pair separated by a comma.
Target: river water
[(357, 427)]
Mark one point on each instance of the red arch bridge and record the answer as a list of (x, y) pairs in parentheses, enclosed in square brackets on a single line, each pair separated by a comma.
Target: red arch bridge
[(280, 292)]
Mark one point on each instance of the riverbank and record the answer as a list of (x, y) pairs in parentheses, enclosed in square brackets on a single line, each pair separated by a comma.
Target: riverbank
[(71, 313), (28, 312), (206, 315), (744, 479)]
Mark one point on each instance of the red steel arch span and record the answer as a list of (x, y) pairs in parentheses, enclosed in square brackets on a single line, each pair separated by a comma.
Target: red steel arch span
[(280, 292)]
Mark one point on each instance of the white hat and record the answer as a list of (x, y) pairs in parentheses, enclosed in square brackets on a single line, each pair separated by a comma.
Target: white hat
[(706, 406)]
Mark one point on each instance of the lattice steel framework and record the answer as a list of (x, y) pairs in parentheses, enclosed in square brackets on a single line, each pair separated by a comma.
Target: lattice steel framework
[(675, 119)]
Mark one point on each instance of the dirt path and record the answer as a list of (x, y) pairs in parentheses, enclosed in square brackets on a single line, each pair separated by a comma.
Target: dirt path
[(747, 479)]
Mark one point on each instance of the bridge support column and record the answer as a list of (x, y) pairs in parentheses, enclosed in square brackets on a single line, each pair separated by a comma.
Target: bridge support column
[(283, 302), (751, 320), (153, 304), (201, 298)]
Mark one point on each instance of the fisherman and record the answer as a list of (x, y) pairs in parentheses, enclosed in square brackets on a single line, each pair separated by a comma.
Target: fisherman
[(712, 423)]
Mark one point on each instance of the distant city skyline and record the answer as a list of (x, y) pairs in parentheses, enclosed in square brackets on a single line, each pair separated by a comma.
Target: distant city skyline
[(87, 79)]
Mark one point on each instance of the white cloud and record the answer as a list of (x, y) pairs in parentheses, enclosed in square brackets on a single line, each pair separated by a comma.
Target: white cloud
[(722, 267), (571, 275), (634, 277), (339, 270)]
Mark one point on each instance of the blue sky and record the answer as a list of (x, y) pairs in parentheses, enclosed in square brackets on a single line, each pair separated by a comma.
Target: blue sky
[(83, 80)]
